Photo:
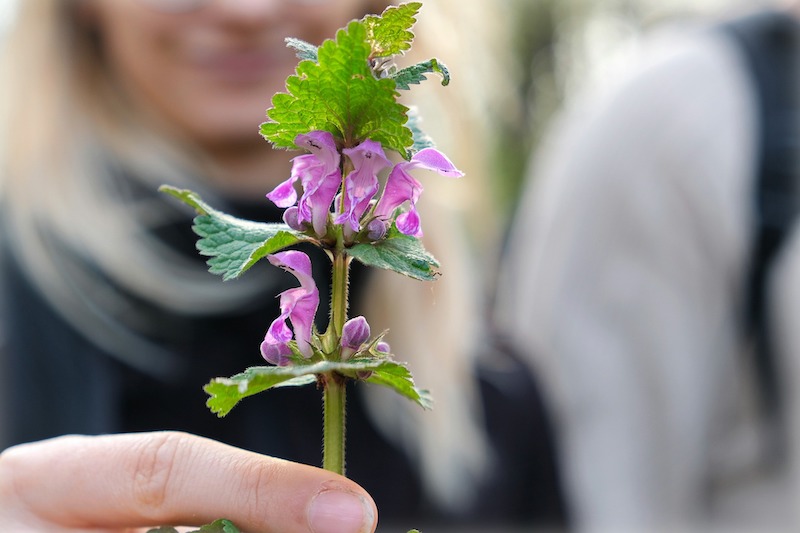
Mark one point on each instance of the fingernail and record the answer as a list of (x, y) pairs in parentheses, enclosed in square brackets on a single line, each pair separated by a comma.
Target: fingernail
[(335, 511)]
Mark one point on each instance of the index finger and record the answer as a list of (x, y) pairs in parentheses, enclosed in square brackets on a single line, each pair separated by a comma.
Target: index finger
[(149, 479)]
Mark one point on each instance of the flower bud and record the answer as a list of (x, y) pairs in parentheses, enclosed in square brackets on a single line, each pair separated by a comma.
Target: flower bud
[(383, 347), (354, 333), (376, 229), (276, 353), (290, 217)]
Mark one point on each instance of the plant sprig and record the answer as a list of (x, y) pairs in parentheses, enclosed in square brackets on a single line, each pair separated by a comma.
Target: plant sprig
[(340, 106)]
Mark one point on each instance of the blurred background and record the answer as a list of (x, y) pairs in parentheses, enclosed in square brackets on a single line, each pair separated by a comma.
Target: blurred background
[(560, 47), (556, 48)]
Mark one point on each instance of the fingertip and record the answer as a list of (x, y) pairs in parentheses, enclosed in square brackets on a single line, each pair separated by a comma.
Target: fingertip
[(337, 508)]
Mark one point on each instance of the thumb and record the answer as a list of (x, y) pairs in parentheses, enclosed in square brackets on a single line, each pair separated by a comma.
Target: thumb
[(149, 479)]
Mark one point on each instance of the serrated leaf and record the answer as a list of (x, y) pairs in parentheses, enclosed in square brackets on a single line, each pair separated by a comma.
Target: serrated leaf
[(389, 34), (400, 253), (233, 244), (396, 376), (225, 393), (415, 74), (302, 49), (339, 94)]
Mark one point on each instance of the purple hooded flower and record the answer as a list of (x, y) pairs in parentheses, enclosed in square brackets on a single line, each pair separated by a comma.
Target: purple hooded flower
[(401, 187), (354, 333), (383, 347), (361, 184), (320, 176), (298, 305)]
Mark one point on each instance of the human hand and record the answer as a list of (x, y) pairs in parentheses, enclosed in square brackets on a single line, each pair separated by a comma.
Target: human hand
[(118, 482)]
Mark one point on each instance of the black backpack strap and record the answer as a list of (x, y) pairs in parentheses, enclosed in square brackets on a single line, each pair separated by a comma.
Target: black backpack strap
[(769, 43)]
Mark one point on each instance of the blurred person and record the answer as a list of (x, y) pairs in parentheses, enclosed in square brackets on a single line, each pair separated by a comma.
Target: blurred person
[(630, 275), (114, 483), (112, 322)]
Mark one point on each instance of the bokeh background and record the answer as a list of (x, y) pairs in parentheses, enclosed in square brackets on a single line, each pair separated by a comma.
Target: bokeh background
[(556, 48)]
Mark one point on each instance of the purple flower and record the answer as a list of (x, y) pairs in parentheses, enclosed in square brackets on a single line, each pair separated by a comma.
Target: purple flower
[(376, 229), (401, 188), (320, 176), (361, 184), (298, 306), (354, 333)]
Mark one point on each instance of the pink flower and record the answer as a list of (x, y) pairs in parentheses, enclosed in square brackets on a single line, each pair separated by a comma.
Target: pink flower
[(401, 187), (361, 184), (298, 306), (320, 177)]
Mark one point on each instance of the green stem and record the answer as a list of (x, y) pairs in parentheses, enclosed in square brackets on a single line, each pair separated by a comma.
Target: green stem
[(335, 398), (339, 286), (334, 395)]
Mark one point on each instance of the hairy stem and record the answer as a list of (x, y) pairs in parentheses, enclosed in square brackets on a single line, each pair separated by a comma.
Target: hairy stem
[(334, 395), (335, 398), (341, 276)]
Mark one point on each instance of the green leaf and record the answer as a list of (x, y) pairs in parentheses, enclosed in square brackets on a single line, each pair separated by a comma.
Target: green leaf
[(233, 244), (389, 34), (303, 49), (400, 253), (339, 94), (218, 526), (225, 393), (396, 376), (415, 74)]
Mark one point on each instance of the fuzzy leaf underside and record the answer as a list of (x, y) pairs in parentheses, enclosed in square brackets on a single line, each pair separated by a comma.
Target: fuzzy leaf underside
[(339, 94), (415, 74), (421, 139), (225, 393), (400, 253), (218, 526), (233, 244), (302, 49), (390, 33)]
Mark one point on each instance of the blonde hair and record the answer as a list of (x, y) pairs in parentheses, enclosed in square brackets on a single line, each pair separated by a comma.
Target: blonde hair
[(67, 134)]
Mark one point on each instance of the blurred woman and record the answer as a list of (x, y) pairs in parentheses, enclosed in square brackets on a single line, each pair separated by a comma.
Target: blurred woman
[(112, 322)]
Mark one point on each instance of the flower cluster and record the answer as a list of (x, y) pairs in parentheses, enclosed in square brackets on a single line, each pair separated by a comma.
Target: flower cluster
[(355, 209), (330, 201)]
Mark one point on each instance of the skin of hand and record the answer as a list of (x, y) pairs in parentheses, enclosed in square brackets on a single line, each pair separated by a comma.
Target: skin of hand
[(123, 482)]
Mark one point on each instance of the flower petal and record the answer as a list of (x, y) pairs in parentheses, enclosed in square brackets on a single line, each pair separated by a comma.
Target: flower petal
[(299, 305), (433, 159), (409, 223), (275, 353), (320, 177), (284, 194), (322, 145), (400, 188), (296, 263), (362, 183)]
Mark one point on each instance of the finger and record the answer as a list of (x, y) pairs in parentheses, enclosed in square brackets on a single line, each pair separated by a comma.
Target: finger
[(150, 479)]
